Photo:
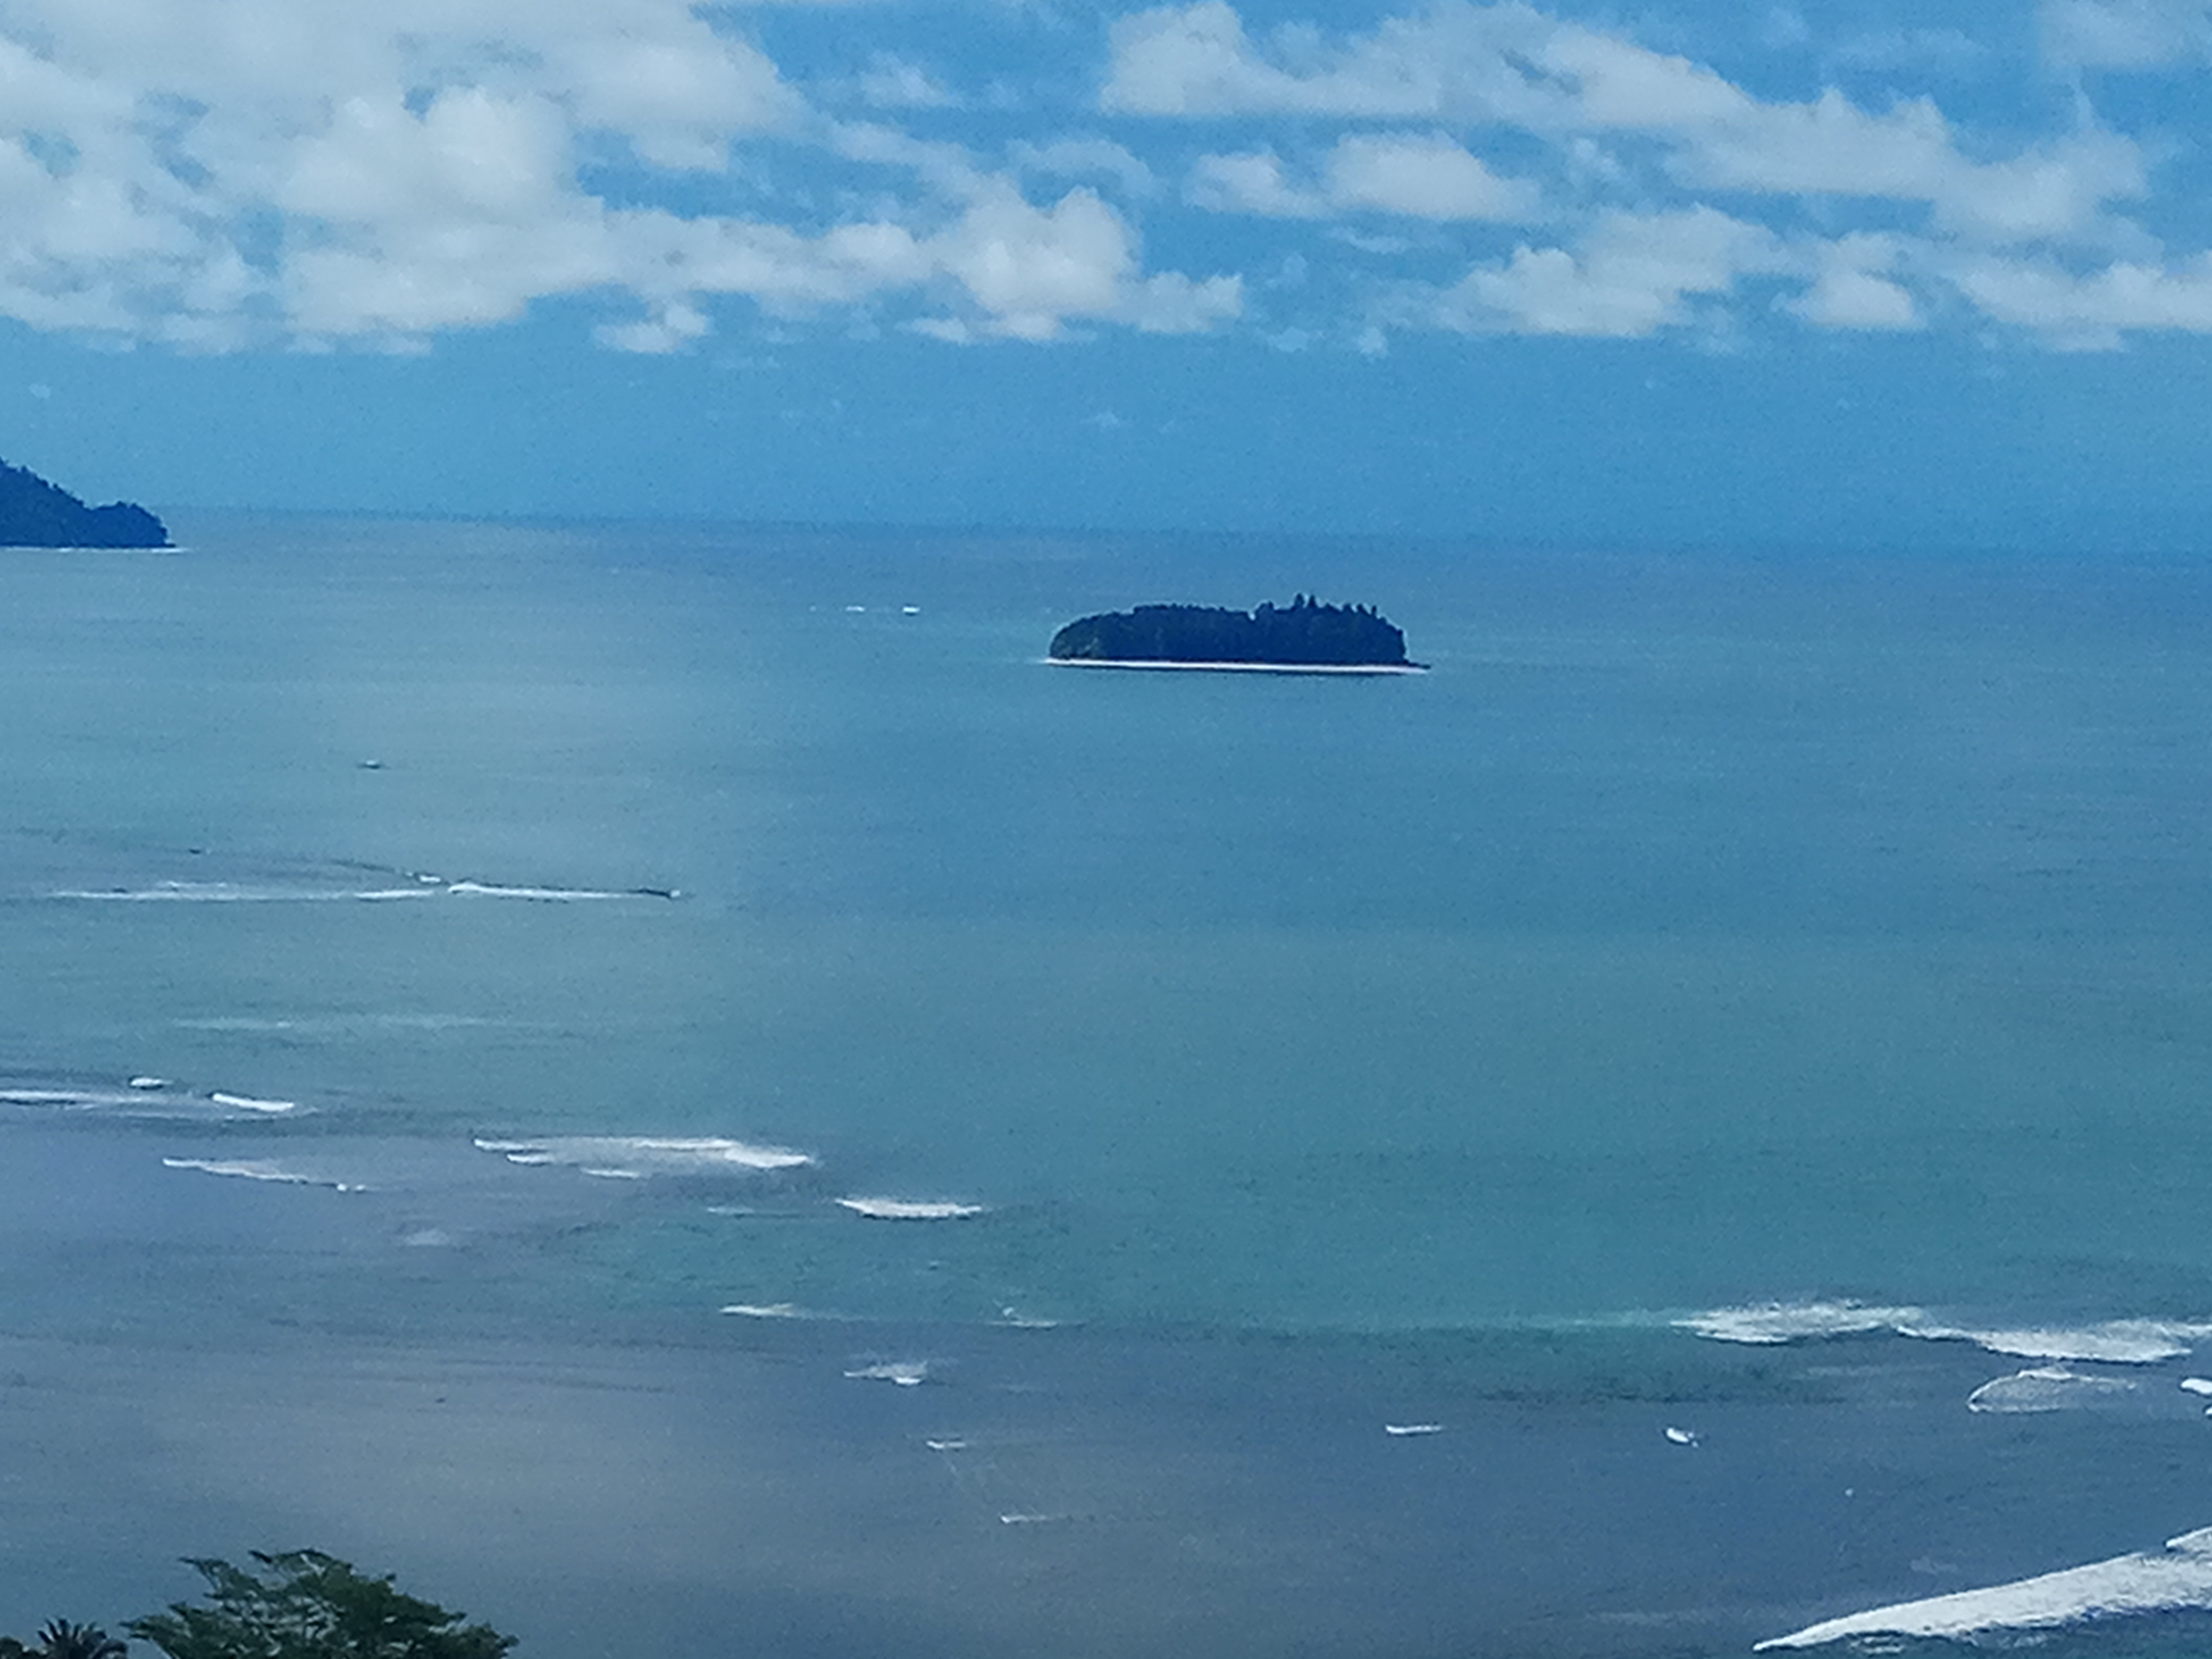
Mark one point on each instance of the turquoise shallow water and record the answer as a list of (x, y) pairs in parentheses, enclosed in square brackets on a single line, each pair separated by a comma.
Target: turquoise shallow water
[(1703, 933)]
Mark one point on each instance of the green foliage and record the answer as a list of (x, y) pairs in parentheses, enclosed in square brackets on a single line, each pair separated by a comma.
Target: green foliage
[(302, 1604), (60, 1639)]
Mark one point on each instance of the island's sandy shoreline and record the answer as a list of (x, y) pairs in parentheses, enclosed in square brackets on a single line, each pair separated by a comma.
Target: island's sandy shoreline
[(1239, 668)]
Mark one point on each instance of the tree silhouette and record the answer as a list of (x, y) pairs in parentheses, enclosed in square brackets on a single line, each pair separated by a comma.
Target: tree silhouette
[(60, 1639), (303, 1604)]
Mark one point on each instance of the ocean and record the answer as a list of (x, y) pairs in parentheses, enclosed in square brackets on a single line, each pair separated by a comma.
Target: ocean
[(679, 1086)]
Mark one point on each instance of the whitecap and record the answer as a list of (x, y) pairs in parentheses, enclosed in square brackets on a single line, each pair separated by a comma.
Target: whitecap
[(2177, 1579), (1028, 1518), (540, 895), (146, 1082), (2198, 1384), (141, 1098), (946, 1445), (2116, 1342), (75, 1097), (1680, 1436), (633, 1157), (905, 1373), (1771, 1324), (2046, 1388), (910, 1209), (248, 1104), (258, 1169), (229, 892), (1403, 1430), (764, 1310)]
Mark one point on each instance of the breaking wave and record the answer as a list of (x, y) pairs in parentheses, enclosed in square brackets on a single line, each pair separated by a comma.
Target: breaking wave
[(2177, 1579), (635, 1158), (246, 1169), (143, 1097), (910, 1209), (902, 1373), (2046, 1388), (419, 887), (2115, 1342)]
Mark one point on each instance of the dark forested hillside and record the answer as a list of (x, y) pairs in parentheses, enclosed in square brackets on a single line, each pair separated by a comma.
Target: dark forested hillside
[(35, 514), (1305, 634)]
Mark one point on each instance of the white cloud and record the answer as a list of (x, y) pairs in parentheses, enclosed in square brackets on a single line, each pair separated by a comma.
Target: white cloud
[(1419, 175), (213, 172), (1511, 66), (671, 328), (1425, 176), (1620, 84), (891, 82), (1854, 287), (1031, 271), (1944, 52), (2090, 311), (1632, 276), (1085, 158), (1253, 182), (2126, 33), (1455, 59)]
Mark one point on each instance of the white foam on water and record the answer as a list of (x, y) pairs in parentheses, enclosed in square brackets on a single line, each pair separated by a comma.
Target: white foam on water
[(539, 894), (2177, 1579), (2046, 1388), (1771, 1324), (144, 1097), (910, 1209), (1028, 1518), (1404, 1430), (946, 1445), (2116, 1342), (2198, 1384), (635, 1157), (228, 892), (764, 1310), (248, 1104), (904, 1373), (1680, 1436), (258, 1169)]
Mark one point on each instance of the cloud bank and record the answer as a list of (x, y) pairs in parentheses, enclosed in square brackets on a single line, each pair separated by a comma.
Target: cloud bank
[(226, 175)]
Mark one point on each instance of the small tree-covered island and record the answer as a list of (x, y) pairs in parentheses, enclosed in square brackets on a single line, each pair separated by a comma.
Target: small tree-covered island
[(1305, 635), (35, 514)]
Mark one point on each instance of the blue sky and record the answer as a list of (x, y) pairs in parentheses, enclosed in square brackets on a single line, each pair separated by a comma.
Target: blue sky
[(1840, 271)]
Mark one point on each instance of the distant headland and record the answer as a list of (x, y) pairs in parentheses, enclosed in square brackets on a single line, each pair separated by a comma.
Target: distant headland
[(1304, 637), (35, 514)]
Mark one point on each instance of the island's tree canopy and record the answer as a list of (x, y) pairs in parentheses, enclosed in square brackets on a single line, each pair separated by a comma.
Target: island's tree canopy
[(1306, 632), (36, 513), (303, 1604)]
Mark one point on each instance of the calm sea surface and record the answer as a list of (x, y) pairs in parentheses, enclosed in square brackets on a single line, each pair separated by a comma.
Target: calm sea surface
[(1725, 985)]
